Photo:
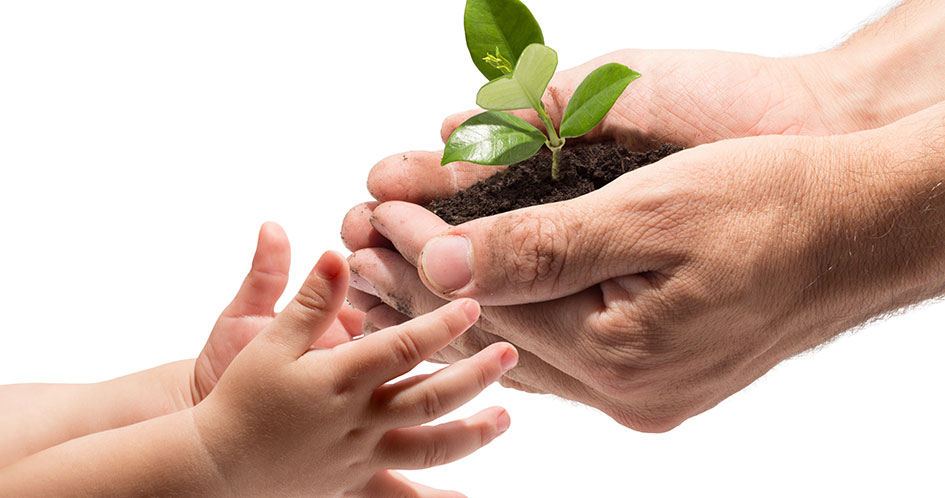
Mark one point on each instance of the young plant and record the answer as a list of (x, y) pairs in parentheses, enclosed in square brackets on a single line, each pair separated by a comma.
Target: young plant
[(507, 46)]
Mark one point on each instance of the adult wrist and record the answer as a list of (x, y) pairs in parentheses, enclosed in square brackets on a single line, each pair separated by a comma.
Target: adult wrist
[(890, 209), (882, 74)]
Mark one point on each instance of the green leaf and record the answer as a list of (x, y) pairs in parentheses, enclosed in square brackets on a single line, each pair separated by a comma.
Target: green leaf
[(501, 28), (494, 139), (594, 97), (524, 87)]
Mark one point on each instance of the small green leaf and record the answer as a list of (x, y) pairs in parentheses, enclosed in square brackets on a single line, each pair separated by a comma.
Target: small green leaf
[(524, 87), (494, 139), (594, 97), (500, 28)]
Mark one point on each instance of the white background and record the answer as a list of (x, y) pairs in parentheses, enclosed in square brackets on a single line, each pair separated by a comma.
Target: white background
[(142, 144)]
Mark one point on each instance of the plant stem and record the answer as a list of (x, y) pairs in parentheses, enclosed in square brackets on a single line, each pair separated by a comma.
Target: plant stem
[(553, 138), (554, 142), (554, 158)]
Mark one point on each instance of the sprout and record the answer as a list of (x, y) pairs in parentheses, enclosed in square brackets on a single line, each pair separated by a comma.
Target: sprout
[(507, 46)]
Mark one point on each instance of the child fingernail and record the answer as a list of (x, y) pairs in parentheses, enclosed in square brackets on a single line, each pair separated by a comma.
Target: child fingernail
[(503, 422), (508, 359), (471, 308), (329, 265)]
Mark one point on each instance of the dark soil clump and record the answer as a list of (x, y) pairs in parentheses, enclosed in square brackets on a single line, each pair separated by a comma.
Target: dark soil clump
[(583, 168)]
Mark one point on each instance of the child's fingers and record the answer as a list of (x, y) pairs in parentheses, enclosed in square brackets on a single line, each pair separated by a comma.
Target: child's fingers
[(390, 484), (267, 277), (346, 327), (423, 447), (408, 404), (394, 351), (314, 308)]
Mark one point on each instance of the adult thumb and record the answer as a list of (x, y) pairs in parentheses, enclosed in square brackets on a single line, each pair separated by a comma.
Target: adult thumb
[(529, 255)]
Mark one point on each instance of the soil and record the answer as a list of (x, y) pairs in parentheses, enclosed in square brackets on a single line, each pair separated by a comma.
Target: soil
[(583, 168)]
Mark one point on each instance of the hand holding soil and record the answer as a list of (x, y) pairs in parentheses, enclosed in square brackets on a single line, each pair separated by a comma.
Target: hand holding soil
[(666, 291)]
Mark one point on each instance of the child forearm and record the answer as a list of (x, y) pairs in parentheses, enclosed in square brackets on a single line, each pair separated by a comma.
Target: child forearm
[(34, 417), (159, 457)]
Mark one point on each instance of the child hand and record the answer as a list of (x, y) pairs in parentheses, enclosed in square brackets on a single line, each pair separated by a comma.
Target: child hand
[(288, 420), (253, 308)]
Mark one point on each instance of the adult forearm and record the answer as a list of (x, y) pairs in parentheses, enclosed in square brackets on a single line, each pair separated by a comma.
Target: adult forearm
[(160, 457), (888, 70), (908, 201), (37, 416), (883, 240)]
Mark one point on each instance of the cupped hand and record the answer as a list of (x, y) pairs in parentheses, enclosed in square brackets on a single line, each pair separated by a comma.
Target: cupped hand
[(668, 290), (253, 309), (684, 97)]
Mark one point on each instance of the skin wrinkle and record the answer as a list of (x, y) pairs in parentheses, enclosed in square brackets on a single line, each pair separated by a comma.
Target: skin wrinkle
[(817, 239), (484, 322)]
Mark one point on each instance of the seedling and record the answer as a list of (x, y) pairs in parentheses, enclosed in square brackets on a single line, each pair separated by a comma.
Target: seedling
[(507, 46)]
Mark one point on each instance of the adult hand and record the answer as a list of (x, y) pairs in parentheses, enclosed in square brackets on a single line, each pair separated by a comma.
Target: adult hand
[(684, 97), (688, 98), (668, 290)]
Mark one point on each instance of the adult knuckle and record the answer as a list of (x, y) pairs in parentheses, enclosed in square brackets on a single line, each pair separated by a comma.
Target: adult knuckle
[(627, 357), (537, 248), (642, 342)]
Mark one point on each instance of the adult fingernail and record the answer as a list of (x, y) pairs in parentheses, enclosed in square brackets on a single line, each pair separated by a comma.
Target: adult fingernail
[(508, 359), (446, 262), (360, 283), (503, 422)]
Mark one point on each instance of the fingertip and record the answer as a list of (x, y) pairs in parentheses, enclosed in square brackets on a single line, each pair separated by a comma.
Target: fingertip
[(315, 307), (453, 121), (460, 315), (509, 357), (504, 352), (331, 265), (471, 308), (502, 421), (272, 249), (271, 227)]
